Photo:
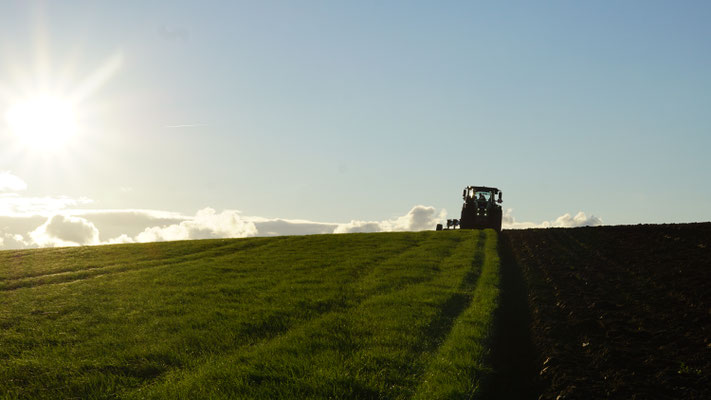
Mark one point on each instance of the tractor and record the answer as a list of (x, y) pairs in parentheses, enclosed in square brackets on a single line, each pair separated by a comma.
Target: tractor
[(479, 211)]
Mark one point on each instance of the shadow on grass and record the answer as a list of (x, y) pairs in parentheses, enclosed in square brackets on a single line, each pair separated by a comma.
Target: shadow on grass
[(513, 354)]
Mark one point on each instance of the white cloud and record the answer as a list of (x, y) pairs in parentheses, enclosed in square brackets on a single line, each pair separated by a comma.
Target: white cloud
[(580, 219), (72, 227), (11, 183), (360, 227), (564, 221), (121, 239), (419, 218), (509, 222), (12, 204), (14, 241), (206, 224), (280, 227), (63, 230), (130, 222)]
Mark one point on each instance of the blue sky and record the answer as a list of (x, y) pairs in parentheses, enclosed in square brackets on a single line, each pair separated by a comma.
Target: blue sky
[(333, 111)]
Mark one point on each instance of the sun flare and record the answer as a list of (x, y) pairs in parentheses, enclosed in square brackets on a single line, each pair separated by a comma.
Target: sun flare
[(44, 122)]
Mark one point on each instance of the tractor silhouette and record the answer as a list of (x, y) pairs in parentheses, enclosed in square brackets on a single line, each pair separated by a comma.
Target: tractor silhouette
[(479, 211)]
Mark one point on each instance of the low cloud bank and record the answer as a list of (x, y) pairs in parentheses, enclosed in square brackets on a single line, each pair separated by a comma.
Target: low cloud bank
[(92, 227), (281, 227), (419, 218), (77, 227), (52, 221), (63, 230), (564, 221), (206, 224)]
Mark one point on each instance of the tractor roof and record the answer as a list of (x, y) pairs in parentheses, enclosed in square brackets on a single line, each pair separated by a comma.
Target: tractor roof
[(484, 189)]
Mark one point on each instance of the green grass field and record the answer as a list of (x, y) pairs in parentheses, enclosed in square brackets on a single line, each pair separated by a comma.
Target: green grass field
[(387, 315)]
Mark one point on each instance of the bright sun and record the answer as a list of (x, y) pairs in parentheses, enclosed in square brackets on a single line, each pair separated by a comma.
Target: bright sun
[(44, 122), (44, 108)]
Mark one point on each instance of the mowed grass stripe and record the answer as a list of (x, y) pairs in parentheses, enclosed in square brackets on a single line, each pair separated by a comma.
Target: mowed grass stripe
[(166, 332), (376, 350), (461, 364)]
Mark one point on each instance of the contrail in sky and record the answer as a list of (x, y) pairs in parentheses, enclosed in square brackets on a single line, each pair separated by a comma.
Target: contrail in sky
[(186, 126)]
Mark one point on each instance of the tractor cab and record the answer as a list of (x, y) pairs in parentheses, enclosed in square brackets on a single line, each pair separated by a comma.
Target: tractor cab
[(481, 196)]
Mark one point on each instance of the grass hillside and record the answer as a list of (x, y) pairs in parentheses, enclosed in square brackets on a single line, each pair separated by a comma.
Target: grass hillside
[(388, 315)]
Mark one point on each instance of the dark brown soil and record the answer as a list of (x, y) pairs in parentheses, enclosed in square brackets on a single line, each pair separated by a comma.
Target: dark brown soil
[(616, 312)]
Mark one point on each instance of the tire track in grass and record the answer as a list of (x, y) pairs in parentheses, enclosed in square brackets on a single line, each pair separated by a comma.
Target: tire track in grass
[(370, 260), (152, 261), (243, 256), (413, 323), (374, 259), (351, 294), (237, 371), (23, 264), (359, 295), (77, 275), (461, 363), (459, 301), (368, 284), (266, 331)]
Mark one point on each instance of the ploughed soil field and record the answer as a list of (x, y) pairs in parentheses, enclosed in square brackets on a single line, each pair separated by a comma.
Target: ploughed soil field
[(614, 312)]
